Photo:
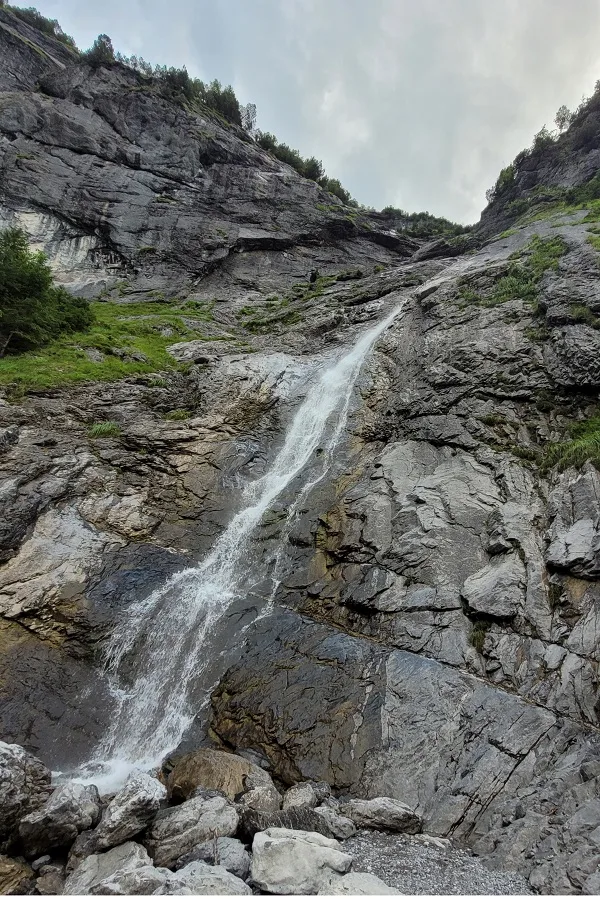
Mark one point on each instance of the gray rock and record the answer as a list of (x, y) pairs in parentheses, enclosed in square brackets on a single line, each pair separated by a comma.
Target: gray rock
[(40, 862), (176, 831), (294, 818), (130, 811), (382, 813), (341, 827), (260, 794), (498, 589), (296, 861), (574, 533), (301, 795), (359, 884), (200, 879), (71, 809), (51, 880), (224, 851), (24, 787), (84, 845), (122, 870)]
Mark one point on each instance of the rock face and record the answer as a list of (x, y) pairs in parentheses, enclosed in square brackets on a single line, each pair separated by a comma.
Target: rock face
[(296, 861), (424, 626)]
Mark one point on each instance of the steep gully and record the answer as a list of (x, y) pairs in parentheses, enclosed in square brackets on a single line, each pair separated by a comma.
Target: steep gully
[(154, 655)]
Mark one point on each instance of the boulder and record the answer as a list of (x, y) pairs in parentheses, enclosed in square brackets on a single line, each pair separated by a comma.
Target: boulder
[(124, 870), (358, 884), (130, 811), (295, 818), (260, 794), (176, 831), (16, 878), (84, 845), (24, 786), (300, 795), (382, 813), (213, 770), (40, 862), (342, 828), (296, 861), (51, 880), (71, 809), (224, 851), (200, 879)]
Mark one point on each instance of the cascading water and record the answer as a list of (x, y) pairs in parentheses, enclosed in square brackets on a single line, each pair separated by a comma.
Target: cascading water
[(160, 642)]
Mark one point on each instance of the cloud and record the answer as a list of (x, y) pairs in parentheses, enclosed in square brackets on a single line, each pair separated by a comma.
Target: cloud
[(414, 104)]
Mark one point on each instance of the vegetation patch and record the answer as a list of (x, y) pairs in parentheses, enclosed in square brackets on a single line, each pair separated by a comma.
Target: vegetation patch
[(104, 429), (583, 315), (521, 282), (33, 310), (583, 446), (479, 633), (178, 415), (124, 339)]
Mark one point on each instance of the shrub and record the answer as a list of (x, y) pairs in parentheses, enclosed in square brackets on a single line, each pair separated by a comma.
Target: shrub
[(505, 180), (32, 309), (101, 53), (104, 429)]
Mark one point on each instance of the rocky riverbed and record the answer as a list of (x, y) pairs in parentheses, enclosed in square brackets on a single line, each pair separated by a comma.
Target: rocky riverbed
[(217, 824)]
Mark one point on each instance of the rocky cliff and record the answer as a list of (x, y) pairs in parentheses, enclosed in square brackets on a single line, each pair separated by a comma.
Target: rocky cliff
[(430, 634)]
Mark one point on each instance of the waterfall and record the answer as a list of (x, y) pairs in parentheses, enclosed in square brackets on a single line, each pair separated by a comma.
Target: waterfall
[(159, 643)]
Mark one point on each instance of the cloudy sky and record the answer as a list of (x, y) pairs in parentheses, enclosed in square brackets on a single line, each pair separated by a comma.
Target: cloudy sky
[(413, 103)]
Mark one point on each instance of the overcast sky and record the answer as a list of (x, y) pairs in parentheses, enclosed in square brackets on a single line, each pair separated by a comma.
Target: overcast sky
[(413, 103)]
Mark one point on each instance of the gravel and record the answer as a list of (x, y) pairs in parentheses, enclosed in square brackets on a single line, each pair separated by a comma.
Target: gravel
[(428, 865)]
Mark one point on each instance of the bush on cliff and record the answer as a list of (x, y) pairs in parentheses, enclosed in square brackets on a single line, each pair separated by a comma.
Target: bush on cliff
[(32, 309), (32, 17)]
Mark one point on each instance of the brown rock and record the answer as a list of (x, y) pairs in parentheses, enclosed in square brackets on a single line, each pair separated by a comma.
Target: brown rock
[(16, 877), (213, 770)]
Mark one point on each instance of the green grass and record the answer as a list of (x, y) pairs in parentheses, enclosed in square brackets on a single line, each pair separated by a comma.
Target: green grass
[(584, 315), (478, 635), (178, 415), (536, 335), (131, 327), (594, 241), (583, 447), (104, 429)]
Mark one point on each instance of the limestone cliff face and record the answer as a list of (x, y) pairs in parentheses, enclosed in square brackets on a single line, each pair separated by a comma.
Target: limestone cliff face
[(433, 636)]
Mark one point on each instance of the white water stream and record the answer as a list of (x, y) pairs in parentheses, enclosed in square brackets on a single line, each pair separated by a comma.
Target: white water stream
[(158, 648)]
